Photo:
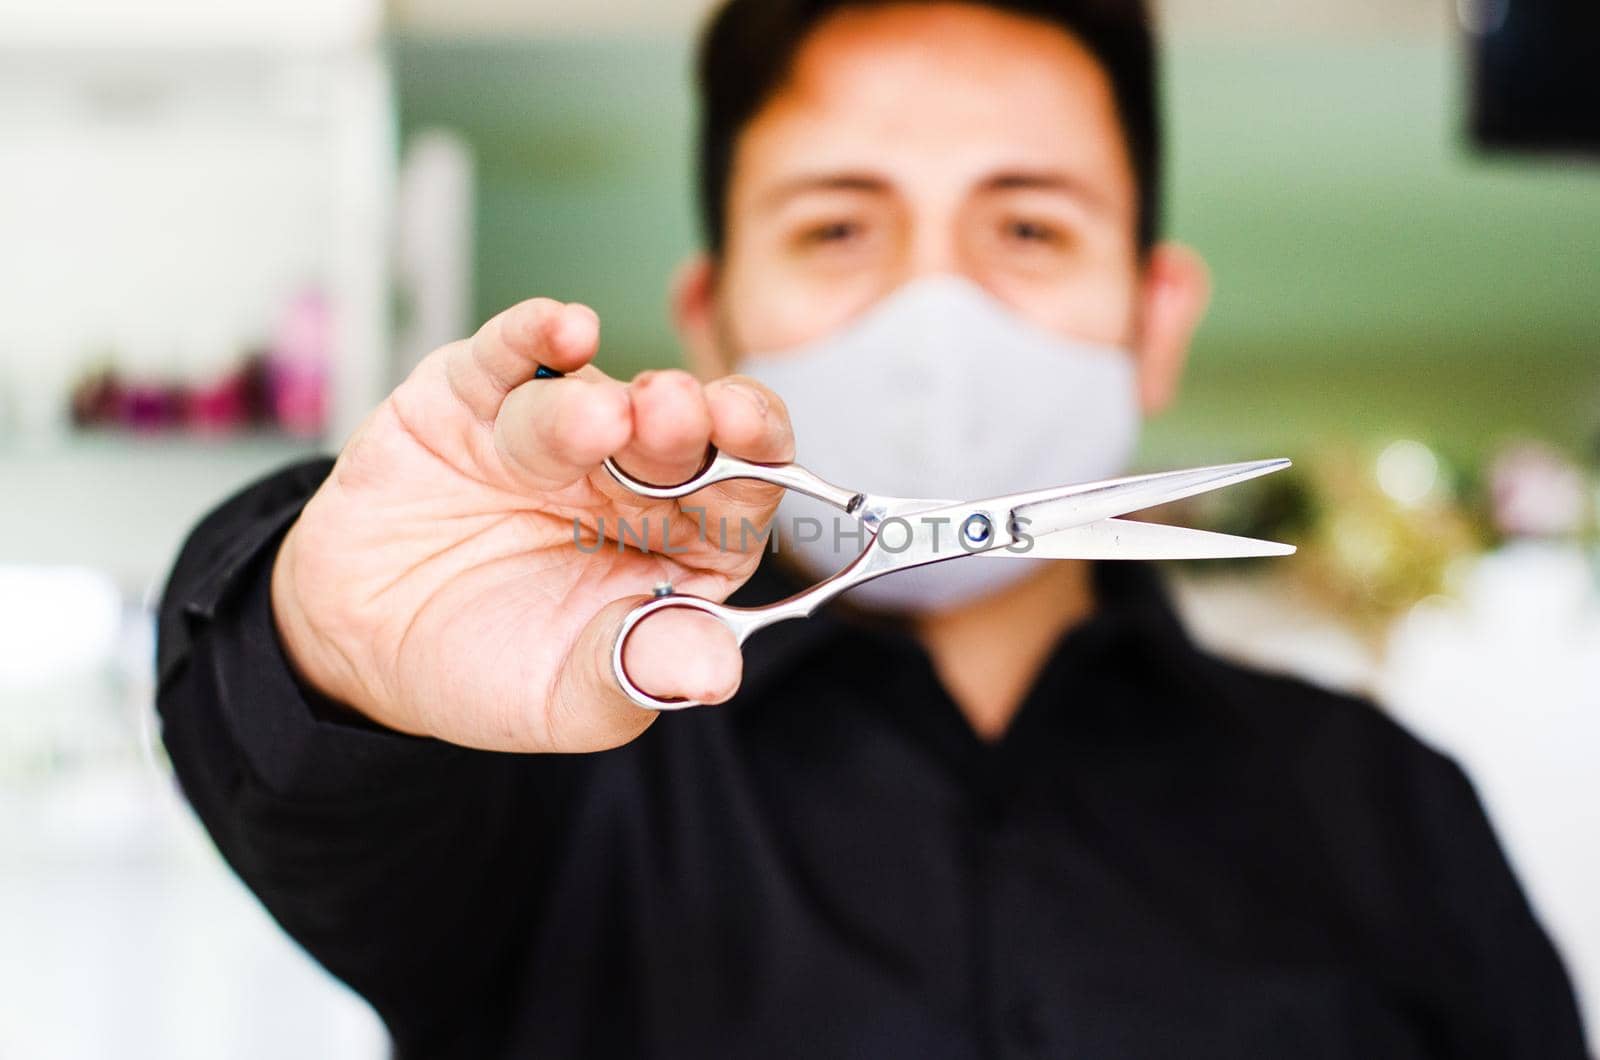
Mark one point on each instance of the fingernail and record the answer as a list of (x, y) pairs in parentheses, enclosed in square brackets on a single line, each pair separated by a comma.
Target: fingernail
[(755, 397)]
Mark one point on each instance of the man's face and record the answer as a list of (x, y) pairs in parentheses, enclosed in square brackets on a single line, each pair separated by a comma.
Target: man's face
[(923, 138)]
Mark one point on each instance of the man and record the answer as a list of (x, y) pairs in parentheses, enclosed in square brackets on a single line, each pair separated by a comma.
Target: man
[(1001, 810)]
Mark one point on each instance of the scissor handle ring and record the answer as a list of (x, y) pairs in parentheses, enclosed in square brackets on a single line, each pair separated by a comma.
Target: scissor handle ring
[(644, 699), (716, 468), (720, 467)]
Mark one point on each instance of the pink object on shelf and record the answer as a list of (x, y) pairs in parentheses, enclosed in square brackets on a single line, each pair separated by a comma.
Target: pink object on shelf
[(217, 407), (297, 366), (147, 407)]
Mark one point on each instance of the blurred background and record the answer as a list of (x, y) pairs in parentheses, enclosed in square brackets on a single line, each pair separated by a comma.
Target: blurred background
[(227, 227)]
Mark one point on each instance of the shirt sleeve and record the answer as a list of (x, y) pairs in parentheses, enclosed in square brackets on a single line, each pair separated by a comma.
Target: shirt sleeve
[(1517, 985), (410, 868)]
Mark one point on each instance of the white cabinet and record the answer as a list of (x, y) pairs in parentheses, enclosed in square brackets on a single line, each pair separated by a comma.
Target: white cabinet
[(173, 176)]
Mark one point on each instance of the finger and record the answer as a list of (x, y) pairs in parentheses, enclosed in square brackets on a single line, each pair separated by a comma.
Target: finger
[(508, 350), (552, 432), (673, 654), (748, 420), (671, 428), (679, 653)]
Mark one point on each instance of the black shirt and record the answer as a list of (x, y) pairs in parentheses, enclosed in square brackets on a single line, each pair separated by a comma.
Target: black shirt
[(1165, 856)]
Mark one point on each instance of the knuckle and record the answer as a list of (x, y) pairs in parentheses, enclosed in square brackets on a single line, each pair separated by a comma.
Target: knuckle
[(441, 359), (595, 411), (679, 382)]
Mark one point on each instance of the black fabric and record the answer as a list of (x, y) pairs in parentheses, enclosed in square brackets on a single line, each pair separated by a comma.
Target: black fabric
[(1166, 856)]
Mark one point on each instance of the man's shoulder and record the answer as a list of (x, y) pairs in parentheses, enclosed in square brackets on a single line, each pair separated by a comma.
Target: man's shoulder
[(1337, 735)]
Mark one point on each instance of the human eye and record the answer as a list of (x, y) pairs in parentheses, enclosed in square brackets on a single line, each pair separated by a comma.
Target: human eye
[(830, 232), (1034, 233)]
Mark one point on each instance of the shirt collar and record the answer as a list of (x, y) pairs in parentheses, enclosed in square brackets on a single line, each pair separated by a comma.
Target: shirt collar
[(1133, 620)]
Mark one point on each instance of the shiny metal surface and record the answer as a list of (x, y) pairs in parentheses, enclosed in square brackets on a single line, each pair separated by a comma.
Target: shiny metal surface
[(1050, 510), (1130, 539), (722, 468), (1066, 522)]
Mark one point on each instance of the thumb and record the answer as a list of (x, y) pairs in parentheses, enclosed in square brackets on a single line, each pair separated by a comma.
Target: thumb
[(673, 654)]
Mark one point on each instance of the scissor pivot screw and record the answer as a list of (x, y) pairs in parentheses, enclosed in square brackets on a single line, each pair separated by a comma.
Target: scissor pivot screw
[(977, 530), (664, 589)]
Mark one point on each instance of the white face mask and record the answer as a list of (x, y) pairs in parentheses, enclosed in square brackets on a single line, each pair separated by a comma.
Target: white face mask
[(942, 391)]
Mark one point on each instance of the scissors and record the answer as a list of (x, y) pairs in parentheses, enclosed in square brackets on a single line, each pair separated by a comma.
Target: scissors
[(1077, 521)]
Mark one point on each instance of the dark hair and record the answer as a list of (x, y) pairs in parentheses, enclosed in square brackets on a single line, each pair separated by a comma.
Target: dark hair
[(750, 45)]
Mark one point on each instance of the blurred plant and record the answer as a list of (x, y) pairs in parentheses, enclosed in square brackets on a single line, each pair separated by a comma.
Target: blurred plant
[(1388, 531), (1380, 531)]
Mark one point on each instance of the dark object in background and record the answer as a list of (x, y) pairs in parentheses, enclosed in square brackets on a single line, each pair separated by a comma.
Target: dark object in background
[(96, 398), (1535, 73), (237, 399)]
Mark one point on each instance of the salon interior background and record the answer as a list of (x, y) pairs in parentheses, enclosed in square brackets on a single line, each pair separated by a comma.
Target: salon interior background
[(1375, 275), (184, 181)]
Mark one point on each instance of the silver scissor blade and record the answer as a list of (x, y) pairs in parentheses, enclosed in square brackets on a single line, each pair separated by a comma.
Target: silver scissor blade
[(1050, 511), (1129, 539)]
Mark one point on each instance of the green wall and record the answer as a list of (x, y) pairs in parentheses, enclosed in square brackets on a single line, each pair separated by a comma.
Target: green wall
[(1374, 274)]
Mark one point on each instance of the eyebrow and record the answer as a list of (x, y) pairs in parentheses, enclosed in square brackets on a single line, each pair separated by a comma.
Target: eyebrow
[(1046, 180), (847, 181)]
